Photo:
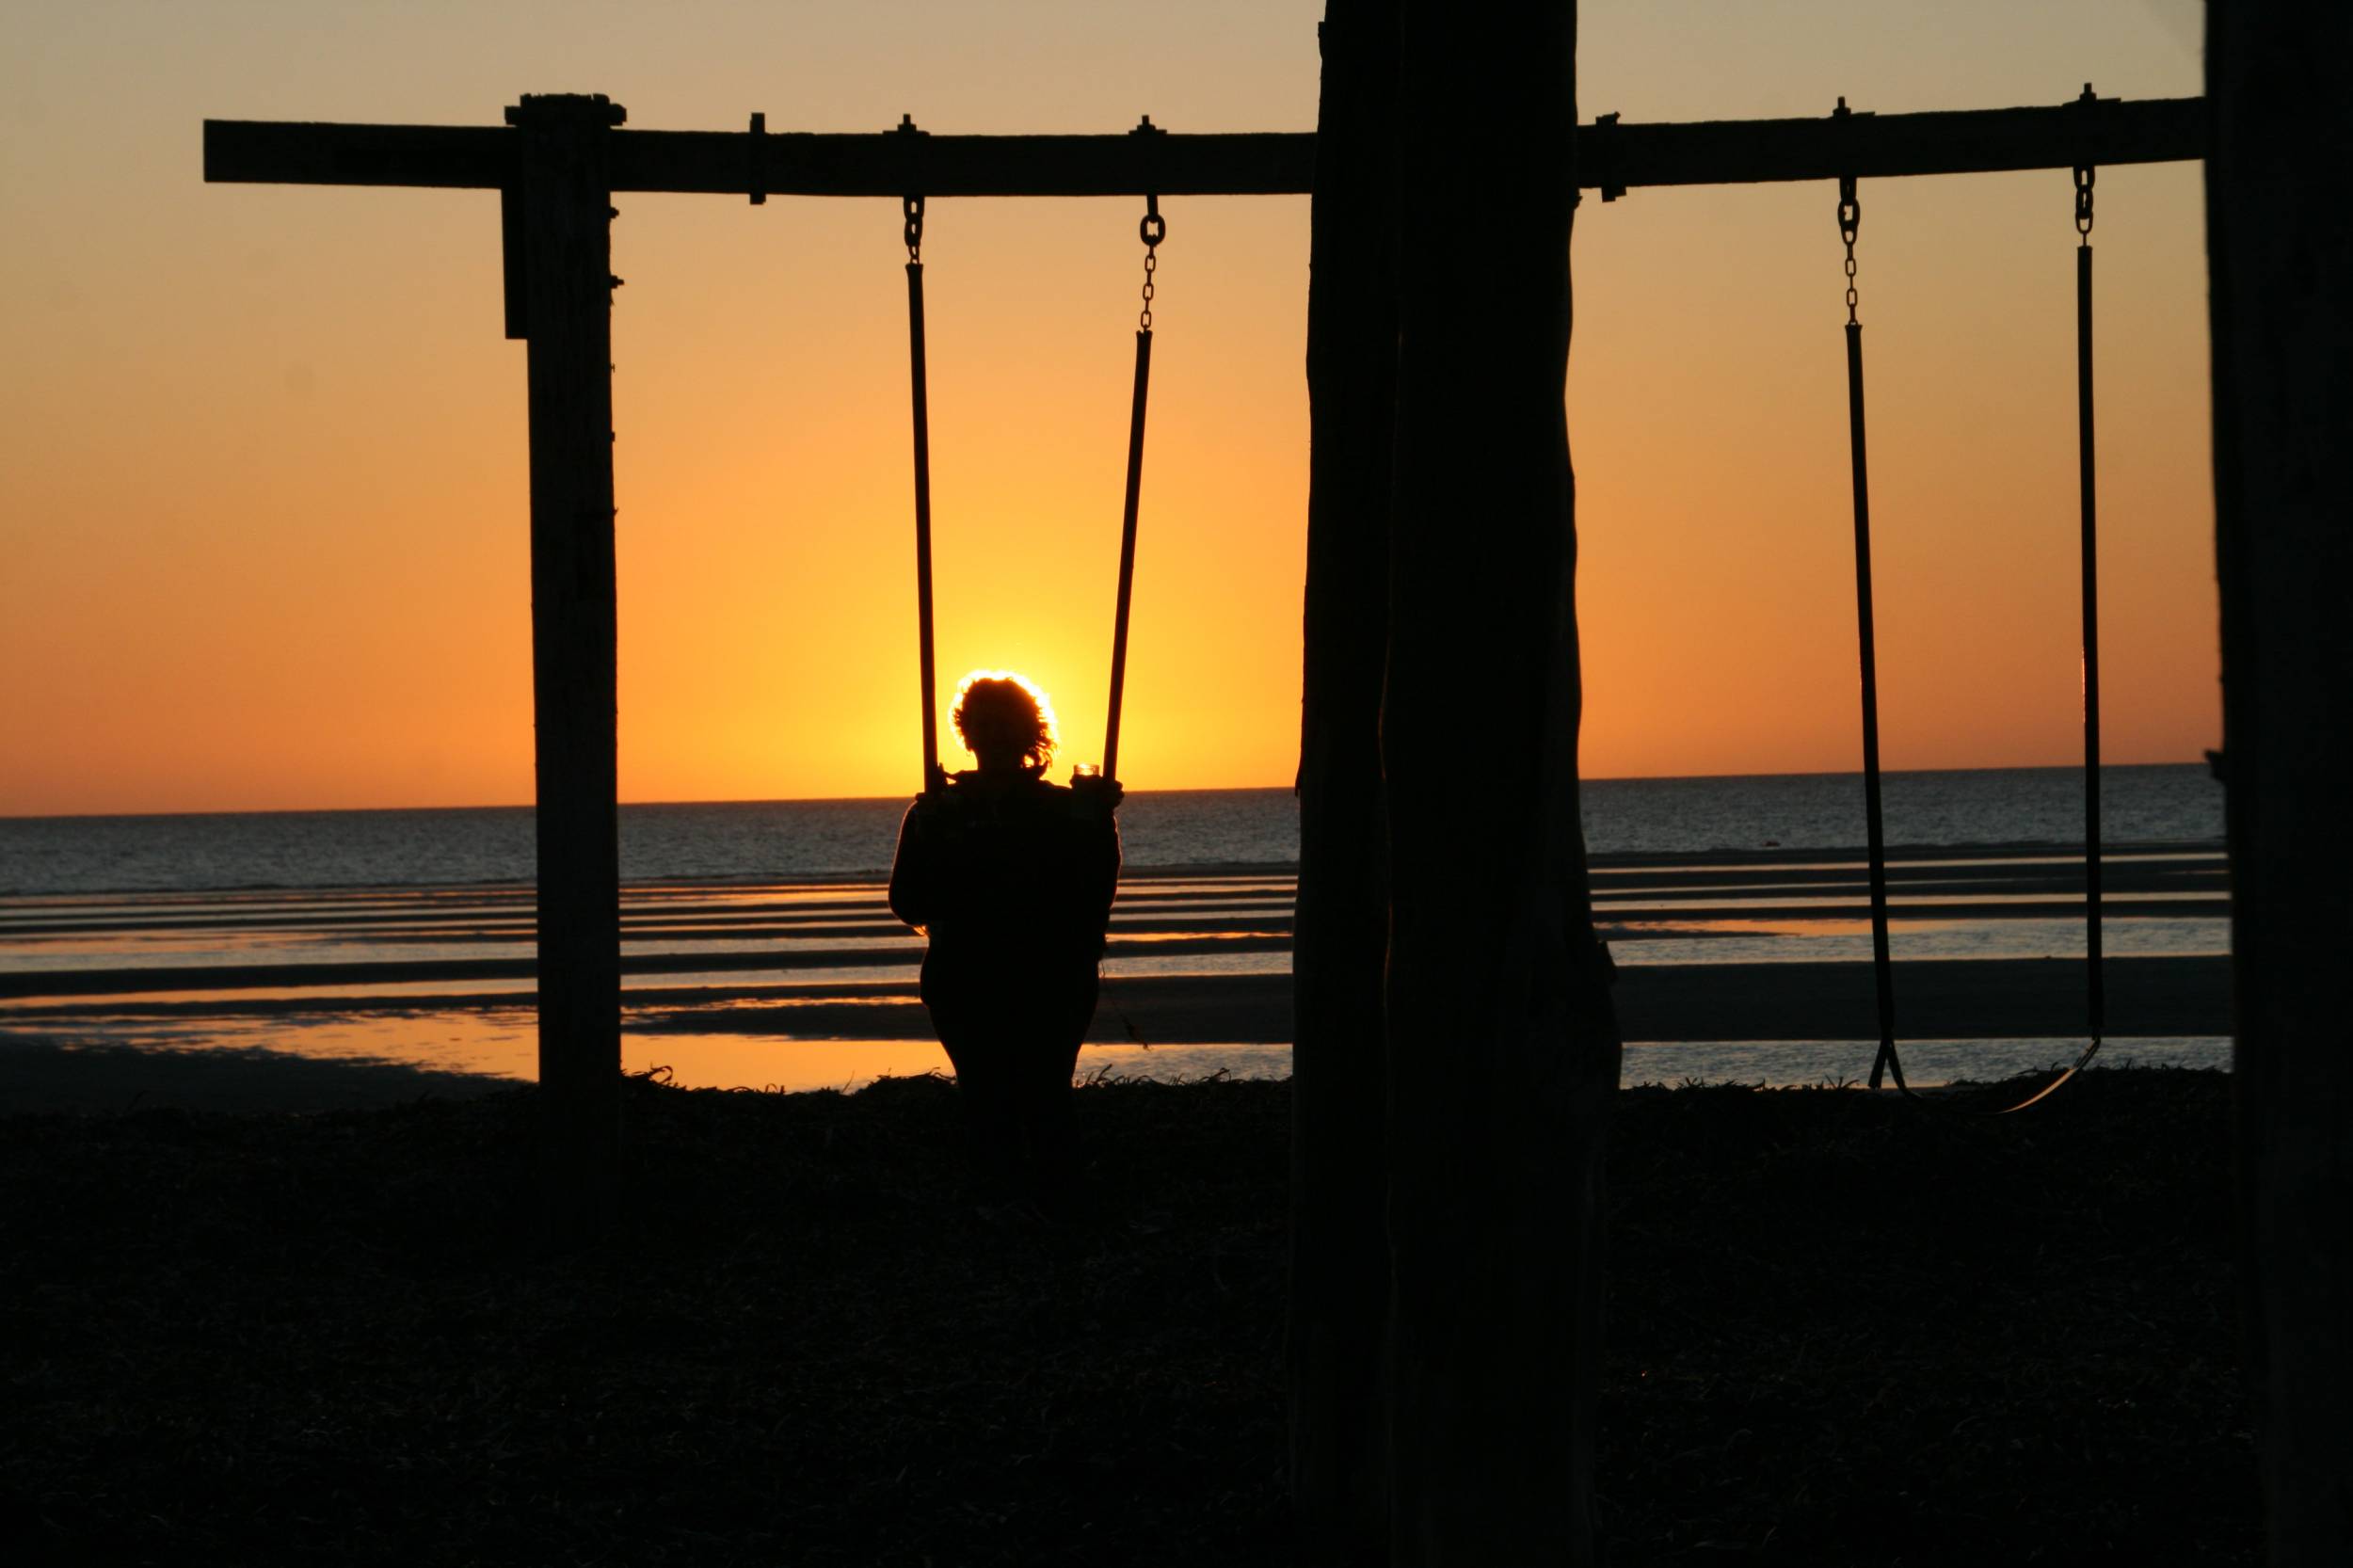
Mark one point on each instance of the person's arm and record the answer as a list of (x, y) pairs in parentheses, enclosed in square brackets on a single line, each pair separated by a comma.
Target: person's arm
[(914, 871), (1106, 869), (1094, 801), (1094, 864)]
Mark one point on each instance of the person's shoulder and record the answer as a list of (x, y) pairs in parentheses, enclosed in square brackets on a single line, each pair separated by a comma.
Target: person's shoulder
[(1044, 802), (960, 792), (1055, 803)]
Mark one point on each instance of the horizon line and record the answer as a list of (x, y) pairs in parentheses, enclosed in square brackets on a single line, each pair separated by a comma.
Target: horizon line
[(1209, 789)]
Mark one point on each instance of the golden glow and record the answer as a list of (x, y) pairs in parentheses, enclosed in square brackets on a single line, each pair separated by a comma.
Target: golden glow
[(263, 487)]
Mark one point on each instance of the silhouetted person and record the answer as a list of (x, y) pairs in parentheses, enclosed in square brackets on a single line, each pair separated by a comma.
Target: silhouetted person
[(1012, 880)]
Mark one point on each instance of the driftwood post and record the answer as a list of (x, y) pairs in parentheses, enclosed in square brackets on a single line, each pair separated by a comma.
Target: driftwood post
[(1503, 1051), (560, 212), (2280, 250), (1339, 1250)]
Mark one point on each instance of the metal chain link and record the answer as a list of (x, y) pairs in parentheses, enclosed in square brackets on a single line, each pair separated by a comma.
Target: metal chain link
[(1153, 230), (913, 206), (1850, 224), (2084, 173)]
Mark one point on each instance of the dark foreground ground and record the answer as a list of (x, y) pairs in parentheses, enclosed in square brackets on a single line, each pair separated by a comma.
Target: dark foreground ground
[(1844, 1329)]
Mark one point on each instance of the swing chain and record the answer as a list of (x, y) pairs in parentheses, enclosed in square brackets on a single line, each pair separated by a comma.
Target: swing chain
[(2084, 173), (913, 205), (1153, 230), (1850, 225)]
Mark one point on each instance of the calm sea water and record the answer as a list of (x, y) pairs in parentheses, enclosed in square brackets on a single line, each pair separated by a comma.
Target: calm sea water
[(776, 841), (756, 949)]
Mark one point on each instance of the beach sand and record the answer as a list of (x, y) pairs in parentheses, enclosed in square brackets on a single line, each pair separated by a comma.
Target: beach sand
[(296, 1000), (40, 1074), (1842, 1329), (1944, 999), (188, 1055)]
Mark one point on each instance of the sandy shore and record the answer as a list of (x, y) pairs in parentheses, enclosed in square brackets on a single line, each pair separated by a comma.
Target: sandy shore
[(248, 999), (44, 1074), (1945, 999), (57, 1068), (1935, 998), (1841, 1331)]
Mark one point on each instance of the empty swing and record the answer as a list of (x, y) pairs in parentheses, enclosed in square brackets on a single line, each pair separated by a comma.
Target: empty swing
[(1887, 1061), (1152, 230)]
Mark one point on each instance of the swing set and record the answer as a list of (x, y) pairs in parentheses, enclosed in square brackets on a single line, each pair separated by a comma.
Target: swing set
[(1151, 230), (561, 161), (1887, 1061)]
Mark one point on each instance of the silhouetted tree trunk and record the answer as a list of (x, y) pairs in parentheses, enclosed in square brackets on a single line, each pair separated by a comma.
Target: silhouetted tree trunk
[(1339, 1250), (2280, 248), (1503, 1051)]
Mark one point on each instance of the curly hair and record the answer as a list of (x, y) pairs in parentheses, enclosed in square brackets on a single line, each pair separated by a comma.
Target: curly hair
[(1000, 707)]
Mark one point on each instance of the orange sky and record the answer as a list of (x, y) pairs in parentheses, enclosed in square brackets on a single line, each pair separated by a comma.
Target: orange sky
[(263, 534)]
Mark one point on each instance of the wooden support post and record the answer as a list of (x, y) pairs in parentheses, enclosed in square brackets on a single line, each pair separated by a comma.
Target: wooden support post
[(2280, 250), (1340, 1179), (565, 268), (1503, 1048)]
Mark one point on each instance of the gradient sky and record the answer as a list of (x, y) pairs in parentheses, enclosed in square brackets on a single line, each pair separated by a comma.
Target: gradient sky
[(263, 525)]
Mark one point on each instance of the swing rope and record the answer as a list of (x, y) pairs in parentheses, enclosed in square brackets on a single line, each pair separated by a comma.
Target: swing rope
[(1153, 230), (913, 209), (1883, 969)]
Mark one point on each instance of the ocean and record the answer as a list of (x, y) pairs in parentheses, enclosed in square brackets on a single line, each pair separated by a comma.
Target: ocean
[(756, 949), (790, 840)]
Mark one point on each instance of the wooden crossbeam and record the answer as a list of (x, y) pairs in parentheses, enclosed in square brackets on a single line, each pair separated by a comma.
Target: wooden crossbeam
[(2105, 132), (1613, 156)]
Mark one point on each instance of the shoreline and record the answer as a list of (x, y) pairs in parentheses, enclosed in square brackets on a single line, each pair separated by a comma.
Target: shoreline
[(1939, 999), (1783, 1022), (807, 983)]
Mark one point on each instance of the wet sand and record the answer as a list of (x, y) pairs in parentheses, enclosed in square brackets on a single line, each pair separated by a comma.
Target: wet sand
[(1935, 998), (40, 1075), (1947, 999), (186, 997), (1951, 1001)]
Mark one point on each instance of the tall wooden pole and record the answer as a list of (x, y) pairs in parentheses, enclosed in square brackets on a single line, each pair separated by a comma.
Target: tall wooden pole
[(566, 288), (2280, 250), (1339, 1246), (1503, 1051)]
